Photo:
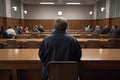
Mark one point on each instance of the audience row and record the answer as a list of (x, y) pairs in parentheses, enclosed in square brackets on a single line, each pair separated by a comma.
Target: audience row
[(11, 32), (105, 30)]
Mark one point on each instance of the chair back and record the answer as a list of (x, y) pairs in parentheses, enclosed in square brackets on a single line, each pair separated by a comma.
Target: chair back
[(93, 44), (1, 45), (114, 43), (11, 43), (62, 70), (31, 44)]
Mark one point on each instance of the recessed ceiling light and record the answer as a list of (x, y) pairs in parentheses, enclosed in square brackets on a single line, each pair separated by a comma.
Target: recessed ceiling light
[(25, 11), (60, 13), (102, 9), (90, 12), (15, 8), (47, 3), (73, 3)]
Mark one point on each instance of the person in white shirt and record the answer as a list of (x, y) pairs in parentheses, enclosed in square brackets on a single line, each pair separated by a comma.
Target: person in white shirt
[(11, 32)]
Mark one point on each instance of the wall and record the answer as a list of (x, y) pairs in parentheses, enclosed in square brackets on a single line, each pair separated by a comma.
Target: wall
[(114, 8), (2, 8), (50, 12)]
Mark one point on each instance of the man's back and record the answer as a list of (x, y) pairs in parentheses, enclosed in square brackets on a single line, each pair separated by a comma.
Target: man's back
[(60, 47)]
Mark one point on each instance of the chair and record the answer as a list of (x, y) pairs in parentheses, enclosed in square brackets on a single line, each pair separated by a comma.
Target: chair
[(93, 44), (113, 43), (1, 46), (95, 35), (63, 70), (34, 35), (111, 35), (11, 43), (31, 44)]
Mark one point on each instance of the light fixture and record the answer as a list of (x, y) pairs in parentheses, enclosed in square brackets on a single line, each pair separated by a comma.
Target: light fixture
[(47, 3), (14, 8), (70, 3), (90, 12), (60, 13), (25, 12), (102, 9)]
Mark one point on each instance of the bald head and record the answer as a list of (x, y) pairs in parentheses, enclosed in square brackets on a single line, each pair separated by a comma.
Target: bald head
[(60, 24)]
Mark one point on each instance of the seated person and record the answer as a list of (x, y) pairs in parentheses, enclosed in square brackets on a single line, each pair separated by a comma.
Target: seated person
[(40, 28), (20, 30), (16, 28), (35, 29), (106, 30), (11, 32), (25, 29), (59, 46), (115, 31), (3, 33), (98, 29)]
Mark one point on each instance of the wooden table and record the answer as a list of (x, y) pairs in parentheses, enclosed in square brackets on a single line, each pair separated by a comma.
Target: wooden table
[(87, 54), (24, 64)]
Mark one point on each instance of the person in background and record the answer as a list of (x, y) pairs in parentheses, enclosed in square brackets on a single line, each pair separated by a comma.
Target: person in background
[(35, 29), (40, 28), (105, 30), (11, 32), (4, 33), (115, 31), (98, 29), (21, 30), (16, 28), (25, 29), (59, 46)]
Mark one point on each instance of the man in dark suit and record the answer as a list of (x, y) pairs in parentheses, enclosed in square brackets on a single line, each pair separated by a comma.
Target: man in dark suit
[(106, 30), (59, 46), (115, 31)]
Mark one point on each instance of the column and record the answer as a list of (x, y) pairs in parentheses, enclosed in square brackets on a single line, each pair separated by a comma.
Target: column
[(107, 9), (8, 8)]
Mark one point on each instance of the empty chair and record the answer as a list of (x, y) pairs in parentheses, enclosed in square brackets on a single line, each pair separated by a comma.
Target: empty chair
[(11, 43), (93, 44), (1, 45), (31, 44), (95, 35), (111, 35), (113, 43), (84, 36), (34, 35), (63, 70)]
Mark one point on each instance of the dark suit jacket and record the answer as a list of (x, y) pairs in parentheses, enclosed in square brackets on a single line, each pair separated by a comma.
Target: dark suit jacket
[(59, 46), (116, 32)]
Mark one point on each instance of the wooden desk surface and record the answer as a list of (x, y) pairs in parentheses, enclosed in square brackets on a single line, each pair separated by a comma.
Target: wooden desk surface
[(79, 39), (87, 54)]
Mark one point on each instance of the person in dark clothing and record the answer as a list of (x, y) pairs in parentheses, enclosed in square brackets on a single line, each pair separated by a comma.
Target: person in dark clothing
[(115, 31), (4, 33), (106, 30), (40, 28), (59, 46)]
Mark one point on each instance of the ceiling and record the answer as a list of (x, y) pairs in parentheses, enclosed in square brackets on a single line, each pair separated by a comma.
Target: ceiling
[(60, 2)]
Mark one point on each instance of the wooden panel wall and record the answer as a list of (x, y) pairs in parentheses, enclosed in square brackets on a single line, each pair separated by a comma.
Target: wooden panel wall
[(79, 24), (48, 24), (12, 22), (115, 22), (102, 22), (1, 21)]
